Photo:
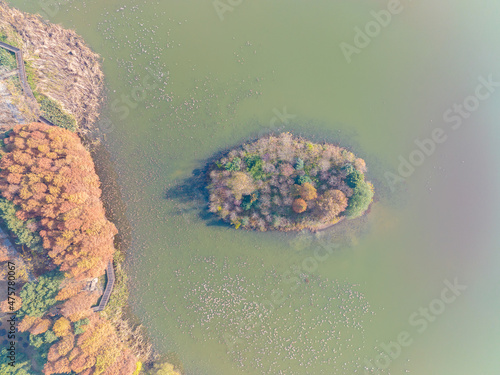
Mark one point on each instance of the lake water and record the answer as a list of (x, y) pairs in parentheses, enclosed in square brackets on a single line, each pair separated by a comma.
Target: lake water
[(184, 84)]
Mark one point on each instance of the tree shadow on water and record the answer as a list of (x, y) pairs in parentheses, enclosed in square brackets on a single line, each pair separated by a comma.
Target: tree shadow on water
[(191, 197)]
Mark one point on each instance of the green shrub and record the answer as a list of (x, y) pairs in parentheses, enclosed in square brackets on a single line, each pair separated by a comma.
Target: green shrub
[(249, 200), (299, 164), (362, 193), (277, 221), (39, 296), (55, 114), (80, 325), (254, 167), (303, 179), (234, 165), (36, 340), (4, 38), (360, 200), (246, 204), (18, 228), (7, 59), (32, 78), (49, 337), (354, 178)]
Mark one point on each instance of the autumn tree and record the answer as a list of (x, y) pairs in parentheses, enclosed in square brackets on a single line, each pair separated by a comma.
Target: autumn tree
[(62, 327), (307, 191), (79, 306), (61, 366), (241, 184), (41, 326), (59, 350), (50, 177), (68, 291), (360, 165), (331, 204), (286, 169), (299, 205), (27, 323), (4, 253), (96, 351), (11, 305), (125, 364)]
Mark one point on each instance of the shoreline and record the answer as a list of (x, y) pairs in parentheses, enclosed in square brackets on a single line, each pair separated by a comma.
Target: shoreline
[(118, 310)]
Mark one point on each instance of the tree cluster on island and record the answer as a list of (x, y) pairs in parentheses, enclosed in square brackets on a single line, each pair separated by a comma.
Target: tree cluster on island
[(287, 183)]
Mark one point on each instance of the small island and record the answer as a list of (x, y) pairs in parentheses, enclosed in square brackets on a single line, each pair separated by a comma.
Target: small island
[(288, 183)]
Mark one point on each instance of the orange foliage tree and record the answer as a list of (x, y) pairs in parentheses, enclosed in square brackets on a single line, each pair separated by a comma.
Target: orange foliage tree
[(79, 306), (8, 306), (307, 191), (62, 327), (4, 253), (41, 326), (49, 175), (27, 323), (332, 203), (96, 351), (68, 291), (299, 205)]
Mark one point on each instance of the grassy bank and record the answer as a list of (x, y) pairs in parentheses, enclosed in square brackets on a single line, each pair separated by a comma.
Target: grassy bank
[(67, 86), (49, 108)]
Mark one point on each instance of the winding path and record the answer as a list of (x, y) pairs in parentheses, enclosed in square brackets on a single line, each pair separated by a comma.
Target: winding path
[(110, 272), (22, 75)]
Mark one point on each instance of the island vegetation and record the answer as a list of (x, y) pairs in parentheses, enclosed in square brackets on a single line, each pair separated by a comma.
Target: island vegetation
[(287, 183)]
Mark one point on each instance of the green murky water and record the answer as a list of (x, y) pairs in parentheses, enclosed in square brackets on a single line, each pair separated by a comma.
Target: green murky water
[(184, 84)]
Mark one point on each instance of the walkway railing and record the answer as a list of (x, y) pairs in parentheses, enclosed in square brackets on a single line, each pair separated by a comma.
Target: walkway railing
[(22, 74), (20, 66), (110, 273)]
